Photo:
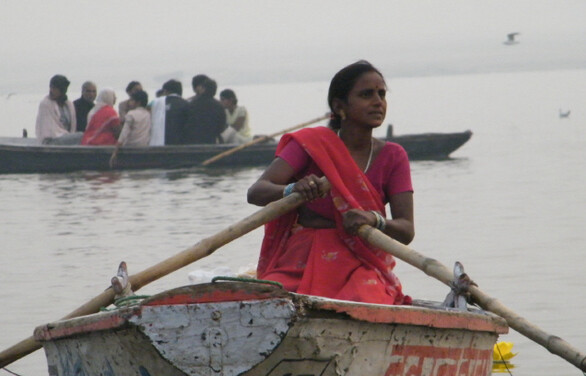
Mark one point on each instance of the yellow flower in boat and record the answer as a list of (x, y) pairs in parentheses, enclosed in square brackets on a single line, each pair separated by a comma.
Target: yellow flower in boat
[(502, 352)]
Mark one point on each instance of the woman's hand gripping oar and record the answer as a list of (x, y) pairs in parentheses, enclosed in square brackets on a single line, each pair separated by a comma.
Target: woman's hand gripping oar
[(435, 269), (200, 250)]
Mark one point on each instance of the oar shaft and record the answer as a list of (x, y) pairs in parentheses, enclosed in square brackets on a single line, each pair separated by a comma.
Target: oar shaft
[(262, 139), (435, 269), (200, 250)]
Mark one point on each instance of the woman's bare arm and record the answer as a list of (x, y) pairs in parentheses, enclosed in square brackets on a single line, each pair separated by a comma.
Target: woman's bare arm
[(271, 184)]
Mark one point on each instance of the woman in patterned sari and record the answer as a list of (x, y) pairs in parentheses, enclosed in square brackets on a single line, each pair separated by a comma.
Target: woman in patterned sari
[(315, 250)]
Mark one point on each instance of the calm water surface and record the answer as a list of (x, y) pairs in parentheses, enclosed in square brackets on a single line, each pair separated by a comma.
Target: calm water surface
[(510, 205)]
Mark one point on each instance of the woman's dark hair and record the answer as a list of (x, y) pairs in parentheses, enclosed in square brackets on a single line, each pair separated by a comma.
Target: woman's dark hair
[(131, 86), (342, 83), (229, 94), (141, 97)]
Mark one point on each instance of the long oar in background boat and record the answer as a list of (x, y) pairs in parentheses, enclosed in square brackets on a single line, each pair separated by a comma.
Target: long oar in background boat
[(262, 139), (435, 269), (200, 250)]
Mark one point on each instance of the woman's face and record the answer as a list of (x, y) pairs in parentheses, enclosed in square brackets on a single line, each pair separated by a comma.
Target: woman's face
[(366, 103)]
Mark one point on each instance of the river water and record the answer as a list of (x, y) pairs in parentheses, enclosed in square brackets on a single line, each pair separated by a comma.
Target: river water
[(510, 205)]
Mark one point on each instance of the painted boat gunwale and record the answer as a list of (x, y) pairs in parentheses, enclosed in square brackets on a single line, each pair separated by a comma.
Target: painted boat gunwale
[(307, 306)]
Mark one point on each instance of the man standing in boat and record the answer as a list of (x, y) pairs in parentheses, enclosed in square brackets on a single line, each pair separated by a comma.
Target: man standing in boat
[(84, 104)]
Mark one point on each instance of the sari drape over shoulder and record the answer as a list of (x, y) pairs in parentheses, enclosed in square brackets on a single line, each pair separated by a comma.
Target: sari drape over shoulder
[(102, 127), (330, 262)]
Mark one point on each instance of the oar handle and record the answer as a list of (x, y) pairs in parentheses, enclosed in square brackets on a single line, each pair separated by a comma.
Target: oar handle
[(262, 139), (435, 269), (200, 250)]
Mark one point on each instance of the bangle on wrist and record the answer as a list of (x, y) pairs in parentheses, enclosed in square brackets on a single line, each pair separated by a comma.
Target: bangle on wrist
[(288, 189), (380, 220)]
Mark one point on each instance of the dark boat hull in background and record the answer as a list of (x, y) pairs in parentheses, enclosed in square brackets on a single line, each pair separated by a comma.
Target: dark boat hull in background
[(25, 155)]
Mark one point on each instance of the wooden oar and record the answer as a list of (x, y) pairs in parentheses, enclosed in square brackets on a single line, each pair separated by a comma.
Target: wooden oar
[(261, 139), (435, 269), (200, 250)]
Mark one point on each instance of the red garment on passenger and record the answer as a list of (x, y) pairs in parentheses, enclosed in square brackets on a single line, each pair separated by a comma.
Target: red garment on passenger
[(102, 128), (330, 262)]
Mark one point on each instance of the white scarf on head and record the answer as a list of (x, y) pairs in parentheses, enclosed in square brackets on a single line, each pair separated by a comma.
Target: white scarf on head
[(107, 97)]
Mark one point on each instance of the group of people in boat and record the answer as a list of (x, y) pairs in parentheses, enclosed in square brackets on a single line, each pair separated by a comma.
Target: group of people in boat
[(169, 119)]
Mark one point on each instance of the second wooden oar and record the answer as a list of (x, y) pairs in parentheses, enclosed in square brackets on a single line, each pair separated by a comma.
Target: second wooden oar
[(200, 250), (262, 139), (435, 269)]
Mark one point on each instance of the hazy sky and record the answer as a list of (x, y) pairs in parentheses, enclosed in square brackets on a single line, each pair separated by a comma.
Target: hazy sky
[(254, 41)]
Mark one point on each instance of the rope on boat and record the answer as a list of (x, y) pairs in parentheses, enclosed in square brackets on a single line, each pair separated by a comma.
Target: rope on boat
[(129, 300), (248, 280), (125, 301)]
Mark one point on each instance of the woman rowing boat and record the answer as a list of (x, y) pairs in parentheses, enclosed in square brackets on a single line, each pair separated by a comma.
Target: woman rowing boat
[(315, 250)]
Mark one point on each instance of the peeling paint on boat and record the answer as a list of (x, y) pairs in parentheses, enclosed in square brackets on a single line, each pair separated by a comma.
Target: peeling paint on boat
[(245, 329)]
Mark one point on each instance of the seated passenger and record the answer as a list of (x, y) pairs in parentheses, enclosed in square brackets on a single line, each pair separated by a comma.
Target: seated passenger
[(206, 118), (84, 104), (168, 115), (137, 123), (132, 87), (56, 115), (196, 83), (238, 131), (103, 122)]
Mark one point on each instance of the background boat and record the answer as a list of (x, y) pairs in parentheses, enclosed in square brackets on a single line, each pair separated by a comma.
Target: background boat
[(25, 155)]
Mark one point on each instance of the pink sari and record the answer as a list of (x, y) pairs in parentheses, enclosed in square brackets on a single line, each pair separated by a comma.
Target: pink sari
[(330, 262)]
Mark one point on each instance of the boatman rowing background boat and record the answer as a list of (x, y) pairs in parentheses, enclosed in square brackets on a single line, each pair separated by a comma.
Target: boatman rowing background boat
[(315, 250)]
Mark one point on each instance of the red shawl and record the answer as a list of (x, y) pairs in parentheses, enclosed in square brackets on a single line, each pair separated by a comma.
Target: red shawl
[(336, 265), (102, 128)]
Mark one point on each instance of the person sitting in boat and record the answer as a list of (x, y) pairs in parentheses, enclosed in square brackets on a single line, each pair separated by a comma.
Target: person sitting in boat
[(84, 104), (104, 124), (196, 85), (206, 118), (56, 115), (314, 250), (136, 130), (168, 115), (238, 130), (123, 107)]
